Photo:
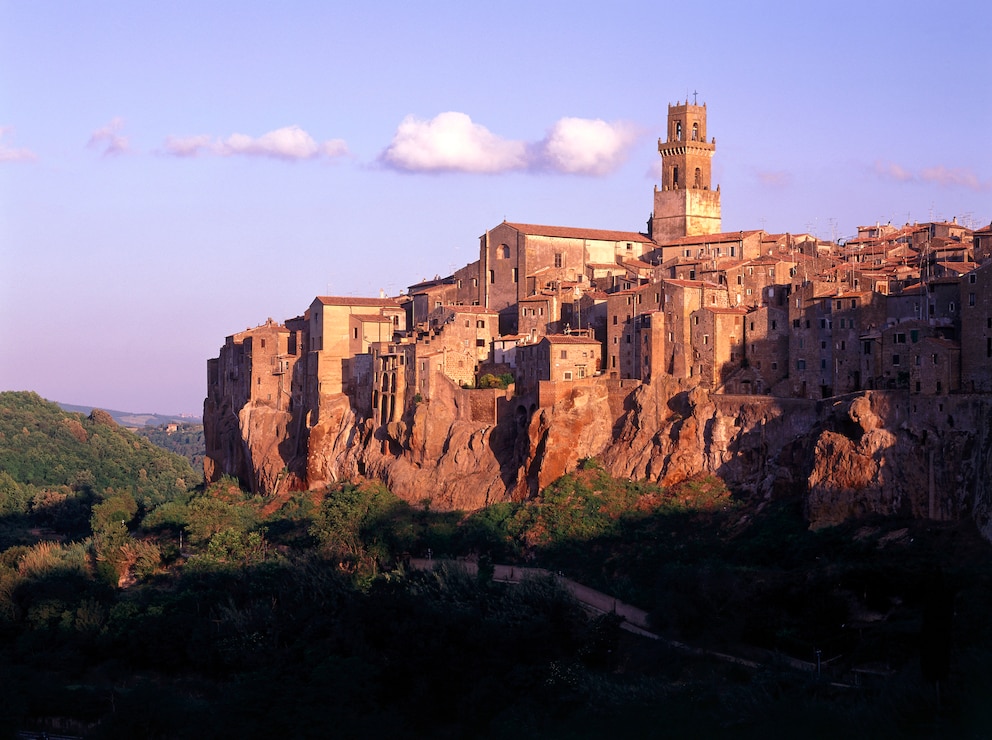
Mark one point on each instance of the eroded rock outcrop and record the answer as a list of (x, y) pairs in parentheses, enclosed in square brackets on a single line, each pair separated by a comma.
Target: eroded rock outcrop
[(896, 454), (876, 453)]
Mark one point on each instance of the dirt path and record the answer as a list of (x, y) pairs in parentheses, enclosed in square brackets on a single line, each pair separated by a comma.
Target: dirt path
[(635, 620)]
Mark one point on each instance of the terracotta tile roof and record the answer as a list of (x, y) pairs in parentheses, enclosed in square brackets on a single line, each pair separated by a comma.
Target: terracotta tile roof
[(569, 339), (353, 301), (569, 232), (726, 236), (732, 310), (690, 283)]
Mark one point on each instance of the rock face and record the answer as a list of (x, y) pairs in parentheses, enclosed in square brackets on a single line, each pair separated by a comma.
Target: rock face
[(878, 452), (888, 453)]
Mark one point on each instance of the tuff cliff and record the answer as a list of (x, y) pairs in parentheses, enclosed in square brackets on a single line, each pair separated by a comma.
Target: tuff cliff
[(874, 453)]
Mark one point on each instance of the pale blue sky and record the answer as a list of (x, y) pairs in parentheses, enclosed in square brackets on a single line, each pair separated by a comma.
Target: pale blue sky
[(174, 172)]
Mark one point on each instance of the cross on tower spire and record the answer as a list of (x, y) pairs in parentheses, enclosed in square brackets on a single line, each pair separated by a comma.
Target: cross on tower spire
[(694, 94)]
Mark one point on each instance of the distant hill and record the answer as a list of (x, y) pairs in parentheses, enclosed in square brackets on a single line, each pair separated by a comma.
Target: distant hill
[(184, 439), (132, 419), (46, 451)]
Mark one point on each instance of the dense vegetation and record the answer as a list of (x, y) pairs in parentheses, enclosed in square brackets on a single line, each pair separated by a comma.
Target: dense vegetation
[(156, 610), (184, 439)]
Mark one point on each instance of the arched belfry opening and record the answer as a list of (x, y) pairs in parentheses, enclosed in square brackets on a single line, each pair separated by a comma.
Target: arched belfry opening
[(687, 203)]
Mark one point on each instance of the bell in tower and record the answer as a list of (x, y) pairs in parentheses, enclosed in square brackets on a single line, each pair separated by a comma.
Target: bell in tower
[(686, 204)]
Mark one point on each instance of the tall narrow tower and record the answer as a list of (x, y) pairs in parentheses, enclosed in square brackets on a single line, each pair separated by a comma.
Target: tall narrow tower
[(686, 204)]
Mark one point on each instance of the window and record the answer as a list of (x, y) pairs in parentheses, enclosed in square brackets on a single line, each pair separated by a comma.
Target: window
[(480, 342), (895, 359), (475, 282), (568, 375), (971, 278), (695, 132), (678, 130), (706, 338), (564, 354), (914, 335), (558, 259), (774, 366), (934, 358), (614, 320), (740, 279), (900, 338), (695, 320), (629, 246), (514, 274), (950, 307), (492, 276), (800, 364), (675, 177), (971, 299), (698, 180), (355, 330), (866, 348), (263, 344), (823, 364)]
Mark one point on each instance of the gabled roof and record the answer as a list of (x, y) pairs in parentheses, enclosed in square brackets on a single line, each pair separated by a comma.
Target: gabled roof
[(569, 339), (691, 283), (353, 301), (726, 236), (570, 232)]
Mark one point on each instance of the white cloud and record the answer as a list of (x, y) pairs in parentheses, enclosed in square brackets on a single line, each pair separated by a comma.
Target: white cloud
[(954, 177), (188, 146), (774, 178), (947, 177), (451, 142), (289, 142), (110, 139), (892, 171), (11, 154), (584, 146)]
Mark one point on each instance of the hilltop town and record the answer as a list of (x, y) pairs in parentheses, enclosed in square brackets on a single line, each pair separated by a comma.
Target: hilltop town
[(548, 310)]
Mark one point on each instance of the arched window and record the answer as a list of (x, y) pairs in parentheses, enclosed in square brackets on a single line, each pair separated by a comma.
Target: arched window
[(504, 252), (678, 131), (698, 182), (675, 177), (695, 132)]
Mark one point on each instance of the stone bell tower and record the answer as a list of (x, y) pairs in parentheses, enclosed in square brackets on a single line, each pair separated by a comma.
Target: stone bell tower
[(686, 204)]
